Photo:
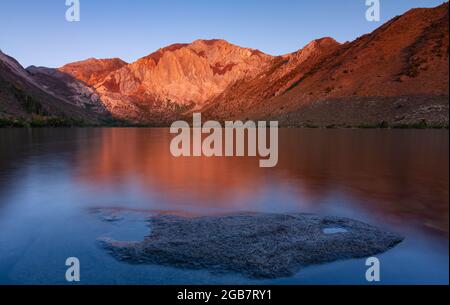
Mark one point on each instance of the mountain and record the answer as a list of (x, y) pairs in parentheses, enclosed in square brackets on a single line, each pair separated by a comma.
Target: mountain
[(25, 98), (161, 86), (396, 75), (92, 71), (283, 73)]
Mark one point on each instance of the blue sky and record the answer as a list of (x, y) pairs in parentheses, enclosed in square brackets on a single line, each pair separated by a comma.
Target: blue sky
[(36, 32)]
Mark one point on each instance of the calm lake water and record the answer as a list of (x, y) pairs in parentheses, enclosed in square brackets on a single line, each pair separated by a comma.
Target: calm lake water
[(62, 189)]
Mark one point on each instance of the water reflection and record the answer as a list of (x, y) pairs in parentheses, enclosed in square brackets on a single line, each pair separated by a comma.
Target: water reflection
[(51, 177), (398, 174)]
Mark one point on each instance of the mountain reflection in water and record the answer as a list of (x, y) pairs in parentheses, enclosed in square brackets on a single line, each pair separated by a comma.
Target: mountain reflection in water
[(397, 174), (395, 179)]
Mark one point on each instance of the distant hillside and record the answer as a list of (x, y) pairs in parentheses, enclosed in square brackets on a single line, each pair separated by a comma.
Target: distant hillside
[(41, 96), (397, 74)]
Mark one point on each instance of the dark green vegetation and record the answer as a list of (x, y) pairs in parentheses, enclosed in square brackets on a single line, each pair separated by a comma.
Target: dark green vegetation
[(42, 121)]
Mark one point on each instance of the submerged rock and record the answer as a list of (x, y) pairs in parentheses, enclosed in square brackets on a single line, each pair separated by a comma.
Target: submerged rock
[(255, 245)]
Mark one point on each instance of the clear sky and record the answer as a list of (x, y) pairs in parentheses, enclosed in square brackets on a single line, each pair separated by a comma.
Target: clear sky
[(36, 31)]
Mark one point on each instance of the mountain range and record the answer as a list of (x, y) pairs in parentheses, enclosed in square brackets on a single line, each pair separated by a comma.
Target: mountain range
[(395, 76)]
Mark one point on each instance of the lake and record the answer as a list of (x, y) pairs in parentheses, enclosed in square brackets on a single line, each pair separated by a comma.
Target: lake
[(63, 189)]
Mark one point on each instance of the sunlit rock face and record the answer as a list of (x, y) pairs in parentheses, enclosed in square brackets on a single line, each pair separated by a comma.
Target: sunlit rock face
[(177, 78), (92, 71)]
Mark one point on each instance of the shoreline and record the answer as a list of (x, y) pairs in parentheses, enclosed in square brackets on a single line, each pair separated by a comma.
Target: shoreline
[(69, 123)]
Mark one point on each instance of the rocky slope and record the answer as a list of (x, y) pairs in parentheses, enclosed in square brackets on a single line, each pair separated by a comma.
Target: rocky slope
[(73, 90), (25, 97), (92, 71), (398, 73), (283, 73)]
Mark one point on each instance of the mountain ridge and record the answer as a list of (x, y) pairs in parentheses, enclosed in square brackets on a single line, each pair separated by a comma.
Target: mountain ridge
[(404, 62), (405, 58), (24, 99)]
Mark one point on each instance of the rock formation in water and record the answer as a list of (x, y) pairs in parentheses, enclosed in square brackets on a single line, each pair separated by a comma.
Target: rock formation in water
[(255, 245)]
